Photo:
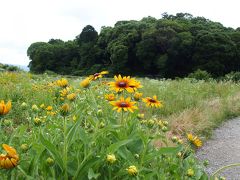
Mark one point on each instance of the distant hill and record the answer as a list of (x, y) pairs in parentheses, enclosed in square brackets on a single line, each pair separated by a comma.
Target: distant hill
[(25, 68)]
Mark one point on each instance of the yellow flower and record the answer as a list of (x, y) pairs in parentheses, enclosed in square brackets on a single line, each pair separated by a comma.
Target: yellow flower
[(123, 104), (64, 92), (137, 96), (42, 106), (194, 140), (62, 83), (111, 158), (124, 83), (9, 160), (85, 83), (110, 97), (5, 108), (65, 109), (37, 121), (98, 75), (71, 96), (152, 102), (49, 108), (132, 170)]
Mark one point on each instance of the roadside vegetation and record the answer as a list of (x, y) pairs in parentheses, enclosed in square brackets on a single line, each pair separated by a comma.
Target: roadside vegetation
[(108, 128)]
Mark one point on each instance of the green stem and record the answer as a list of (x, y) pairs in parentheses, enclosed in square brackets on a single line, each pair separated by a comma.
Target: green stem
[(225, 167), (65, 148), (122, 123), (93, 97), (24, 173)]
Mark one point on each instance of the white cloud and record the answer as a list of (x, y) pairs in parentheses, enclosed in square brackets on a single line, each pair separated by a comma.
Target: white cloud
[(27, 21)]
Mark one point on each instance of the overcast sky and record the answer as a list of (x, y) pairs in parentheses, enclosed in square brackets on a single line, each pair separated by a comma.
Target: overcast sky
[(23, 22)]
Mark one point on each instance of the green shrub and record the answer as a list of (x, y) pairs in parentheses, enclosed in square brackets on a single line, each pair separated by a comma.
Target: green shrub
[(233, 76), (200, 75)]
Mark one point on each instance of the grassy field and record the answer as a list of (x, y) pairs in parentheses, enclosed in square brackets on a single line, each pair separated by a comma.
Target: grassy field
[(62, 130)]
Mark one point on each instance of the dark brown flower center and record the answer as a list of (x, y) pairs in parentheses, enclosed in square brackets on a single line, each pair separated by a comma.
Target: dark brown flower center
[(122, 84), (123, 104), (152, 100)]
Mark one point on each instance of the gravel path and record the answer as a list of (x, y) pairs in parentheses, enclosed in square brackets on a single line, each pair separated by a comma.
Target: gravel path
[(223, 149)]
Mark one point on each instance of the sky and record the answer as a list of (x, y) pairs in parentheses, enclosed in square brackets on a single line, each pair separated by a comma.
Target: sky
[(23, 22)]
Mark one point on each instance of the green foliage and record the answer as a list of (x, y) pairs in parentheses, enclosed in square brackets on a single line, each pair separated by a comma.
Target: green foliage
[(233, 76), (61, 147), (6, 67), (173, 46), (200, 75)]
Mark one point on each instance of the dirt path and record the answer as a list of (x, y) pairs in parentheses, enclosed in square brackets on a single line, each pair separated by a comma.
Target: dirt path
[(223, 149)]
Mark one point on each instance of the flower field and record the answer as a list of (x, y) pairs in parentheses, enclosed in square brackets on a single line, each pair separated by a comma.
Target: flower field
[(114, 128)]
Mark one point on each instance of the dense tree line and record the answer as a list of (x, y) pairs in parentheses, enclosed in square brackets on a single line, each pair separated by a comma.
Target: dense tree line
[(172, 46)]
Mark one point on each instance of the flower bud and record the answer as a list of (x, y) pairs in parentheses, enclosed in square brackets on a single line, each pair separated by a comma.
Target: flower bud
[(132, 170), (111, 158), (7, 122), (24, 105), (50, 161), (24, 147), (174, 139), (190, 172)]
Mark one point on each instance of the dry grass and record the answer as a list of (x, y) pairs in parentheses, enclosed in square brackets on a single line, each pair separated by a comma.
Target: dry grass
[(205, 117)]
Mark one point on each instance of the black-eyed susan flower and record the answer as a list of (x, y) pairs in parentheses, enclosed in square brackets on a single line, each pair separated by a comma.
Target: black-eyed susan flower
[(152, 102), (64, 92), (5, 108), (71, 97), (132, 170), (124, 104), (137, 96), (111, 158), (136, 85), (49, 108), (65, 109), (110, 97), (98, 75), (9, 160), (37, 121), (62, 82), (124, 83), (194, 140), (85, 83)]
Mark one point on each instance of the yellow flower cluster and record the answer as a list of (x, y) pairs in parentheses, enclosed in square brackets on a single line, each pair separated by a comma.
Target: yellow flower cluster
[(62, 83), (9, 160)]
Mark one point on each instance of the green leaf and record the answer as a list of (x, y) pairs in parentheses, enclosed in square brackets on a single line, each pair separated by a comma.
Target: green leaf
[(92, 175), (169, 150), (114, 147), (73, 131), (52, 149), (82, 169)]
